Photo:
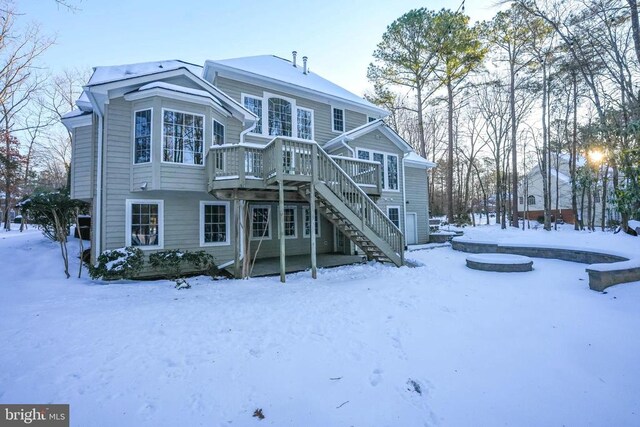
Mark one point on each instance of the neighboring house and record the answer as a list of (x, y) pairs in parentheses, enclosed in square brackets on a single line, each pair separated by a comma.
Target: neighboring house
[(531, 190), (240, 151)]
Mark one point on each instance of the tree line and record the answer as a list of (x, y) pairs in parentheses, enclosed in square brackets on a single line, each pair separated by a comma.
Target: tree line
[(544, 80), (35, 149)]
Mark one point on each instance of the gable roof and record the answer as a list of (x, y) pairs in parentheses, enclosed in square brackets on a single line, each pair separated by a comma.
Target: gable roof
[(281, 71), (119, 77), (112, 73), (378, 124)]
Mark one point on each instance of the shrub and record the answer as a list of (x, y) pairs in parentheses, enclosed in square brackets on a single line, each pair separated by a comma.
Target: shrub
[(173, 262), (540, 219), (123, 263)]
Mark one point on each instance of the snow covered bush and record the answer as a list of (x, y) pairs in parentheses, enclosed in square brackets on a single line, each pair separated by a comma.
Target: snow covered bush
[(173, 263), (122, 263)]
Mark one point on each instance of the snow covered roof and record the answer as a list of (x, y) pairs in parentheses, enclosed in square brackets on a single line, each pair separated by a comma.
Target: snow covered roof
[(414, 159), (106, 74), (281, 70), (365, 129)]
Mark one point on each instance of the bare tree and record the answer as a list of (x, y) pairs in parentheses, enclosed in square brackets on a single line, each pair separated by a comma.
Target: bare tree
[(19, 83)]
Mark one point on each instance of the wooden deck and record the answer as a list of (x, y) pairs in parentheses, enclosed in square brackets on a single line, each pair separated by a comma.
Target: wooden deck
[(294, 263)]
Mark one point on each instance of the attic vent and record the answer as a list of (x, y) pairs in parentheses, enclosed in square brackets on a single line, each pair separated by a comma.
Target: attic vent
[(304, 65), (295, 54)]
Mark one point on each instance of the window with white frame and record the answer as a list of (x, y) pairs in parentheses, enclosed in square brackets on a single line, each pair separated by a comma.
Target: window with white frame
[(279, 117), (260, 221), (393, 213), (305, 123), (214, 223), (254, 105), (389, 166), (307, 223), (337, 119), (144, 223), (182, 135), (218, 133), (290, 223), (142, 137), (531, 200), (371, 119)]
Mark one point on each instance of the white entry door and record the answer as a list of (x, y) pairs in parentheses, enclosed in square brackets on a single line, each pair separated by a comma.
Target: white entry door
[(412, 233)]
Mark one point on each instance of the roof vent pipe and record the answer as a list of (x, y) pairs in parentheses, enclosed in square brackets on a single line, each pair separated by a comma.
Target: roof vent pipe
[(295, 54), (304, 65)]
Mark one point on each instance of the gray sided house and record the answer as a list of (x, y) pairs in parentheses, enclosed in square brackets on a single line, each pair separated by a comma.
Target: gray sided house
[(234, 157)]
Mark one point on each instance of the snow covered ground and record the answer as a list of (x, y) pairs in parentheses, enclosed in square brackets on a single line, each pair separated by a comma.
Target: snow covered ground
[(366, 345)]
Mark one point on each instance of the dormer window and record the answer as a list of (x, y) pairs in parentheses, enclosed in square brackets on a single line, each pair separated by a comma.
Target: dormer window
[(337, 119)]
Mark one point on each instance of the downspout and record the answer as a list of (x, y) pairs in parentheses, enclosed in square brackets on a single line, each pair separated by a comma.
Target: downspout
[(99, 172), (404, 200)]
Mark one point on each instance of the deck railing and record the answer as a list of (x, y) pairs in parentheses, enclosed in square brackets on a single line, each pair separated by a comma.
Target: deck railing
[(353, 196), (250, 161), (290, 159)]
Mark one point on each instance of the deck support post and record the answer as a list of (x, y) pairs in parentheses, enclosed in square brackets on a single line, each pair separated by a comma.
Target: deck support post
[(312, 209), (237, 213), (281, 231)]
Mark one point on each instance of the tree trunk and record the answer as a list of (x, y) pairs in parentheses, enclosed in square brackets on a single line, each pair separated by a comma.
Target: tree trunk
[(450, 217), (635, 26), (545, 152), (514, 148), (574, 153)]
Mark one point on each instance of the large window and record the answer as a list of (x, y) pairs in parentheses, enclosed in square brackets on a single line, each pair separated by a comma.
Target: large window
[(183, 137), (255, 106), (142, 137), (260, 220), (214, 223), (337, 119), (305, 123), (144, 223), (531, 200), (290, 228), (307, 223), (280, 120), (389, 165), (393, 213), (281, 115)]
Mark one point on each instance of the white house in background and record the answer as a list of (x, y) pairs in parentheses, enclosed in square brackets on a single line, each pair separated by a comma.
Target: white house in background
[(254, 154), (531, 191)]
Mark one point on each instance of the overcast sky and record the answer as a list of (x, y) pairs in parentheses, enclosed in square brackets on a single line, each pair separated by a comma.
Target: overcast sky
[(338, 36)]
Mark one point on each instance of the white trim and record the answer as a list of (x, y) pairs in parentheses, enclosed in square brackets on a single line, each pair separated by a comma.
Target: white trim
[(77, 121), (209, 101), (384, 165), (344, 120), (133, 131), (127, 236), (295, 221), (304, 228), (227, 220), (266, 236), (399, 214), (204, 128)]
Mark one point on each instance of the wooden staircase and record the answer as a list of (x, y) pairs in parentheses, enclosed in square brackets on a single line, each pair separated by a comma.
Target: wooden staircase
[(347, 206), (305, 167)]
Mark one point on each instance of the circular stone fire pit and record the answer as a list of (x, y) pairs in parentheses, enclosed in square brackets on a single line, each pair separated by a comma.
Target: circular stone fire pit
[(503, 263)]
